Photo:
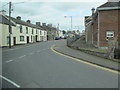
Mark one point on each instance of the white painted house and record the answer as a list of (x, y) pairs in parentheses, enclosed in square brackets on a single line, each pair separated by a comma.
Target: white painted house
[(22, 32)]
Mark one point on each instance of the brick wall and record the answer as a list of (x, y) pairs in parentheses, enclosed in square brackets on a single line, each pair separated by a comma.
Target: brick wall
[(108, 22)]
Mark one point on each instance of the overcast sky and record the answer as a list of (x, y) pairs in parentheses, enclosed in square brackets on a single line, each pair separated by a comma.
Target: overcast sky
[(53, 11)]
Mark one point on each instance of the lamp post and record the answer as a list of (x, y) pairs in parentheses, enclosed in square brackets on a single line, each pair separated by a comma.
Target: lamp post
[(9, 24), (71, 20)]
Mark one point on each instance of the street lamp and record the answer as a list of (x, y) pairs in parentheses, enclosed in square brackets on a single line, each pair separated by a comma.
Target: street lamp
[(71, 20)]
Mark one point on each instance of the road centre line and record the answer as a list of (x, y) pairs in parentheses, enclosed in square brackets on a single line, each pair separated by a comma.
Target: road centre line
[(9, 61), (39, 51), (22, 56), (8, 80), (94, 65), (32, 53)]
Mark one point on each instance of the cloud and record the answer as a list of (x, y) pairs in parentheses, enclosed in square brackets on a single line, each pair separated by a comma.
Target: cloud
[(54, 12), (55, 0)]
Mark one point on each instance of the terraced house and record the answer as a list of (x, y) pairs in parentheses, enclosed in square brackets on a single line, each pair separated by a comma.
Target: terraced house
[(21, 32)]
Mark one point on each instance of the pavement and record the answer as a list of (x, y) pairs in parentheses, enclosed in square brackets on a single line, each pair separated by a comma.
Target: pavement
[(64, 49), (37, 66)]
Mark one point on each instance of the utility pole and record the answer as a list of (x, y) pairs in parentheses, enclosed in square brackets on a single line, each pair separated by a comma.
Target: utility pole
[(58, 26), (71, 22), (10, 25)]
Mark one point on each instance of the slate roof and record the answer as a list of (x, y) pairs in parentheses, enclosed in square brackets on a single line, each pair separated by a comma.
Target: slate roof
[(25, 23), (110, 4), (4, 20)]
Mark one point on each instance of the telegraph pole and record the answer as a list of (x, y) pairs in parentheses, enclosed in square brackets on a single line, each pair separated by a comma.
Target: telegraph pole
[(71, 22), (9, 24)]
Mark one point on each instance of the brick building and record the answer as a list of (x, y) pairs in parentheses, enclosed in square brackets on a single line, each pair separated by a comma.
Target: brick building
[(105, 24)]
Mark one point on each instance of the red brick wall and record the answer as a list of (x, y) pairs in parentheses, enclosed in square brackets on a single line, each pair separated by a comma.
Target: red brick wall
[(108, 22)]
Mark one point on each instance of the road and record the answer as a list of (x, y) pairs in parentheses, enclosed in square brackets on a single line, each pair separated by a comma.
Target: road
[(37, 66)]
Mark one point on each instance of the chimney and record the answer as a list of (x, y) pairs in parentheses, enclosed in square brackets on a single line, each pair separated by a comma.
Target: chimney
[(93, 11), (43, 24), (18, 17), (38, 23), (28, 21), (49, 25)]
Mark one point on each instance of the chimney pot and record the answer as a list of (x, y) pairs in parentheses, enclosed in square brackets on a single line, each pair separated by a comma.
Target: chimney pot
[(93, 10), (43, 24), (28, 21), (18, 17), (38, 23)]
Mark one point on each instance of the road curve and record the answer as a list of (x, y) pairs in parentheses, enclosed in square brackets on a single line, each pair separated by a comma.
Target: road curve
[(36, 66)]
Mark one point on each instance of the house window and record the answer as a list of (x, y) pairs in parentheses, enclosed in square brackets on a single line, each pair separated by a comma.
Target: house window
[(109, 35), (20, 28), (21, 38), (26, 30), (32, 31), (7, 39)]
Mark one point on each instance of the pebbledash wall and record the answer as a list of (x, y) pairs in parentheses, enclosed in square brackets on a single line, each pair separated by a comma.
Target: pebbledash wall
[(4, 34), (29, 34)]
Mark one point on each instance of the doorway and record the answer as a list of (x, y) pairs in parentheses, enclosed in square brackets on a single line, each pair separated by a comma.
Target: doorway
[(27, 39), (14, 40), (36, 38)]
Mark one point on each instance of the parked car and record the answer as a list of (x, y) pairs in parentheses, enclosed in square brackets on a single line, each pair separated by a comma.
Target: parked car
[(57, 38)]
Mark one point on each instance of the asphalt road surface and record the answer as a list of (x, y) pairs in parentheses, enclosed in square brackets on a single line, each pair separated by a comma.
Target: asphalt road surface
[(37, 66)]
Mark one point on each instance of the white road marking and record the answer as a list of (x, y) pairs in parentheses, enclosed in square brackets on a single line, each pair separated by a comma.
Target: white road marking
[(41, 50), (8, 80), (38, 51), (9, 61), (22, 56), (32, 53)]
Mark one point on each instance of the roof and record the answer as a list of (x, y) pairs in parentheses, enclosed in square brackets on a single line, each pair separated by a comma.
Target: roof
[(110, 4), (25, 23), (4, 20)]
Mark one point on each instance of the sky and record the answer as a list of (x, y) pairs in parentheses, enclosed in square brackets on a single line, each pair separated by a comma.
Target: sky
[(53, 11)]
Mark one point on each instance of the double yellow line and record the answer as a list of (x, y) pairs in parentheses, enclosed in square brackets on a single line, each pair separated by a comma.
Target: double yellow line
[(91, 64)]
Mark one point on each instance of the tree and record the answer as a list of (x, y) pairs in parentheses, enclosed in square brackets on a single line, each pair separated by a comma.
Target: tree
[(64, 32)]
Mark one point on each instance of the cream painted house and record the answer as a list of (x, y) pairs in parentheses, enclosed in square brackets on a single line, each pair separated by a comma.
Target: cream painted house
[(22, 32)]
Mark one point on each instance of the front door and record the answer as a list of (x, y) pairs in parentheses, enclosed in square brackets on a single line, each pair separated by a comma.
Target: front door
[(14, 40), (36, 38), (27, 39)]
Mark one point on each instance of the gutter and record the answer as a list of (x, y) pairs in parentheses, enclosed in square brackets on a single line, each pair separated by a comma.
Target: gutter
[(109, 8)]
